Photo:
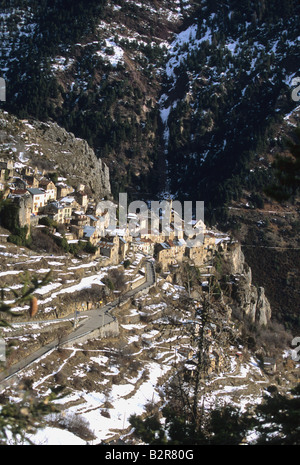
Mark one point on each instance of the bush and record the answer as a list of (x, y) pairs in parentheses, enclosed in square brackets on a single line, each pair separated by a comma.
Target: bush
[(42, 241), (257, 200), (14, 239), (19, 236), (90, 248), (126, 264), (75, 424), (62, 243), (46, 221)]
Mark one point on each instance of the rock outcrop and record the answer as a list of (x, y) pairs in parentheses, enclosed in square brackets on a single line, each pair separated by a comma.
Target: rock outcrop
[(77, 160), (49, 147), (251, 300)]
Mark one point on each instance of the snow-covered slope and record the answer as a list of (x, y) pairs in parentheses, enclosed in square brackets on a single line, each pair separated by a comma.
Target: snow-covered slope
[(229, 80)]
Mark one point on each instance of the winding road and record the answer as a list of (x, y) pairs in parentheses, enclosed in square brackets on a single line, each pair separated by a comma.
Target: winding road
[(93, 319)]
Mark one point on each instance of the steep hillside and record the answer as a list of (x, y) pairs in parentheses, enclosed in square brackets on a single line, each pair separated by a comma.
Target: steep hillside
[(49, 147), (105, 380), (174, 96), (268, 228), (177, 98), (228, 84), (165, 98), (98, 74)]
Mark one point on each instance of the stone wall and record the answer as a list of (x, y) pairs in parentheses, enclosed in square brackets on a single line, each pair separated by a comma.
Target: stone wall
[(108, 330), (137, 282)]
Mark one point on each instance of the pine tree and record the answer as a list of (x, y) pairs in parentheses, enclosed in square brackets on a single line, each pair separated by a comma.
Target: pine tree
[(279, 419), (287, 171)]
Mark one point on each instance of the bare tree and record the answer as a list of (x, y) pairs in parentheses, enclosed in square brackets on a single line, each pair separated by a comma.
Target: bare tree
[(195, 322)]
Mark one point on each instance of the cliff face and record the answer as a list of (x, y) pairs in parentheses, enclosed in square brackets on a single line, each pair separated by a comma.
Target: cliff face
[(251, 300), (76, 159), (50, 147)]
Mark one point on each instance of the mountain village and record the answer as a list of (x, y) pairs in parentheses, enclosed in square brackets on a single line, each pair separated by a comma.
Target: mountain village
[(72, 214)]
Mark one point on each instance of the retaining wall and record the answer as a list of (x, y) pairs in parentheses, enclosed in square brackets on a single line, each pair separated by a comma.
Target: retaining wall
[(110, 329)]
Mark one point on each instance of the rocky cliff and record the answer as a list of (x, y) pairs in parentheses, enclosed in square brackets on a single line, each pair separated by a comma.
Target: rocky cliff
[(50, 147), (251, 300), (76, 159)]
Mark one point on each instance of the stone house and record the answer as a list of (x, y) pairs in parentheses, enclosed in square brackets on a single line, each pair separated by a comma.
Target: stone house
[(109, 247), (93, 220), (49, 187), (97, 223), (170, 253), (71, 202), (80, 219), (222, 242), (77, 231), (38, 198), (90, 234), (70, 237), (155, 236), (118, 236), (143, 245), (152, 229), (82, 199), (59, 212), (6, 170), (195, 254), (209, 245), (63, 190)]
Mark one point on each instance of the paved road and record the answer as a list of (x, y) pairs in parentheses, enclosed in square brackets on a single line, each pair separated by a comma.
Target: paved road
[(93, 319)]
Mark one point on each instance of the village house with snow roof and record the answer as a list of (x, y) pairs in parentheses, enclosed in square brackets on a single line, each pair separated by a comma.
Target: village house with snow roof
[(91, 234), (63, 189)]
